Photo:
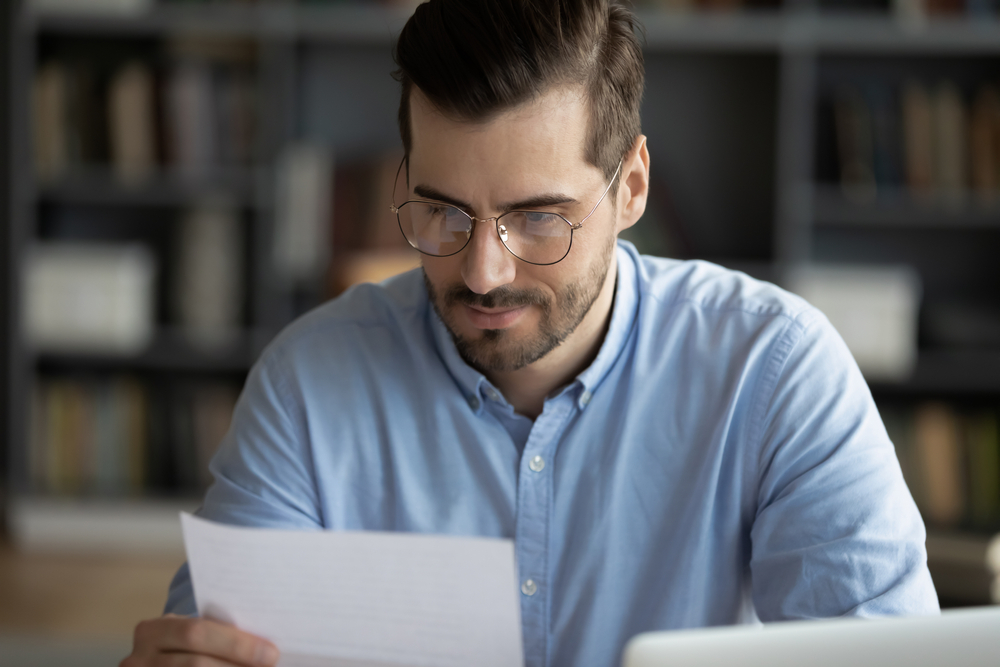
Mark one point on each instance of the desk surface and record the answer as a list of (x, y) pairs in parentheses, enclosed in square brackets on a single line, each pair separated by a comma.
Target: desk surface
[(79, 597)]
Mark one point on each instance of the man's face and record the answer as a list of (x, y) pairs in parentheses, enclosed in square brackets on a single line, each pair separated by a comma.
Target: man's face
[(503, 313)]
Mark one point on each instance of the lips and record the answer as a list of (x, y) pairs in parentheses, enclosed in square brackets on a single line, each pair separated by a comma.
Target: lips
[(493, 318)]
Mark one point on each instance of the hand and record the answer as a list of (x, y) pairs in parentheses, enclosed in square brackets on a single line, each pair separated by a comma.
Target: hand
[(197, 642)]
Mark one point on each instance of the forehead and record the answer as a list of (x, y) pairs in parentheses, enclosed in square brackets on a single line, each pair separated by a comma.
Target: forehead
[(541, 139)]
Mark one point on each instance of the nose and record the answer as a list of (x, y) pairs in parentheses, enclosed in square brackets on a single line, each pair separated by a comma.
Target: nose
[(487, 264)]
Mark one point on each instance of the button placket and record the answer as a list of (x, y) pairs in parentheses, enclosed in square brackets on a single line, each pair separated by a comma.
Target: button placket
[(532, 533)]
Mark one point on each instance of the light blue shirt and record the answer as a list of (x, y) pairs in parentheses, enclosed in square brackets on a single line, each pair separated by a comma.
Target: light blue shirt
[(720, 460)]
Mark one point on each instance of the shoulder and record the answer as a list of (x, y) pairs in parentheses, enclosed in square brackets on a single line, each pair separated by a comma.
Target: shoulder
[(711, 316), (363, 319), (669, 286)]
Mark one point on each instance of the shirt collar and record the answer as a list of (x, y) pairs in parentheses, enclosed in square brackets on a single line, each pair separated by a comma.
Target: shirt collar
[(623, 314)]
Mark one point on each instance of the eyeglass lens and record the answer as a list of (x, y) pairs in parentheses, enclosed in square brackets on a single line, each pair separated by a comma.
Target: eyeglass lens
[(438, 229)]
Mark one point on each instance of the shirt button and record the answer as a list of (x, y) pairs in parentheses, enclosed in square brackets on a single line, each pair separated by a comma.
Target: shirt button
[(537, 464), (492, 394), (473, 402), (585, 398), (529, 587)]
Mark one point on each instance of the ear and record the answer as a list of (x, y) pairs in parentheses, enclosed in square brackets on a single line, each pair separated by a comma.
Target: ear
[(633, 189)]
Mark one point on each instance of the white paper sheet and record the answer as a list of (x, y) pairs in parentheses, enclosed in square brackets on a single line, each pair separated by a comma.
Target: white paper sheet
[(360, 599)]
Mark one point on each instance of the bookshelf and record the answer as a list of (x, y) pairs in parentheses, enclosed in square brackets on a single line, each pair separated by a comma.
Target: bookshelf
[(737, 102)]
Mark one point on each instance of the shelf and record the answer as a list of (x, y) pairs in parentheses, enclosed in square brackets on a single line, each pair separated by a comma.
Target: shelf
[(344, 24), (717, 32), (897, 208), (139, 526), (879, 34), (171, 350), (842, 32), (99, 187), (741, 31), (217, 19), (966, 371)]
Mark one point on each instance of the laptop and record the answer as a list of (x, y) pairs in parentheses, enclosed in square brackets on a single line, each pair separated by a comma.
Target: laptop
[(957, 638)]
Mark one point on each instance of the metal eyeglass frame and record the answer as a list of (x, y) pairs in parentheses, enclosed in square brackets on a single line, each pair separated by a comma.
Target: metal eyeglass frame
[(496, 220)]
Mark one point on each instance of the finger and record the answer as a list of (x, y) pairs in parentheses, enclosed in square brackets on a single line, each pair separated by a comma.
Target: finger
[(206, 637)]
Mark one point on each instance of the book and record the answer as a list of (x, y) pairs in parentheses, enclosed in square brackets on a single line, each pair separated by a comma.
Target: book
[(93, 434), (182, 444), (108, 456), (304, 183), (191, 135), (938, 446), (209, 288), (855, 148), (89, 436), (131, 123), (77, 440), (984, 470), (86, 116), (886, 152), (984, 143), (134, 412), (911, 13), (211, 102), (158, 471), (49, 92), (235, 121), (949, 140), (89, 297), (917, 138), (944, 7)]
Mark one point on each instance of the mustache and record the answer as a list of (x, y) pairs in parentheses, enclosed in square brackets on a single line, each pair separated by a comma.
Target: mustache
[(501, 297)]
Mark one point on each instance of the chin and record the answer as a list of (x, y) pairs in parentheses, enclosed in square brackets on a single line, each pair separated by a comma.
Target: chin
[(502, 351)]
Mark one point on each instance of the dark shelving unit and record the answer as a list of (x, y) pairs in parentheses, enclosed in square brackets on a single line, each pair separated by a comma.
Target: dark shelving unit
[(732, 112)]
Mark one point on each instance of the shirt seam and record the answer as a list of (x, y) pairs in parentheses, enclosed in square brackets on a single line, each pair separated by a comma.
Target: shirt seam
[(764, 311), (283, 387), (767, 384)]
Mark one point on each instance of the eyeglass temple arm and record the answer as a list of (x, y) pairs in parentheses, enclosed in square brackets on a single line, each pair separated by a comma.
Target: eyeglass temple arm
[(606, 190), (392, 206)]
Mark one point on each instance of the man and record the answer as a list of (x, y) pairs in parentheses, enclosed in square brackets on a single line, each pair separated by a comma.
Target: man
[(670, 444)]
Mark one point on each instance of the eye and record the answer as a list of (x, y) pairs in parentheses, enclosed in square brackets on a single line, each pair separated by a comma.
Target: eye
[(537, 216)]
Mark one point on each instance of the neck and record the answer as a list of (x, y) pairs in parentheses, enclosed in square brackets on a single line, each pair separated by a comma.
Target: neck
[(527, 388)]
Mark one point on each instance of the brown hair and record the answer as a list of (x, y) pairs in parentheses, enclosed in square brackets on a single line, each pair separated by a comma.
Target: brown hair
[(477, 58)]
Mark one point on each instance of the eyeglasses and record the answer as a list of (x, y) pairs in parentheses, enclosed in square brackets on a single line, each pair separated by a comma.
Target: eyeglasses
[(441, 230)]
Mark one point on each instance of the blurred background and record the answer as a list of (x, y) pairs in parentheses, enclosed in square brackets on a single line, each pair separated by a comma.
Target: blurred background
[(179, 179)]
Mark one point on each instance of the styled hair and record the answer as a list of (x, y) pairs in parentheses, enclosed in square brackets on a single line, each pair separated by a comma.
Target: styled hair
[(474, 59)]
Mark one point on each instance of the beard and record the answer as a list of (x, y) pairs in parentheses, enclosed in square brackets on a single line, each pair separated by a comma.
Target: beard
[(501, 350)]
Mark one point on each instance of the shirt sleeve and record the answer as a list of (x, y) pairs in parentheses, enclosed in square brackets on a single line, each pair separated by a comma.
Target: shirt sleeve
[(263, 471), (836, 531)]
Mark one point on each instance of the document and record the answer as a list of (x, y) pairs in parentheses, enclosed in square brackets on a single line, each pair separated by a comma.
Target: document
[(360, 599)]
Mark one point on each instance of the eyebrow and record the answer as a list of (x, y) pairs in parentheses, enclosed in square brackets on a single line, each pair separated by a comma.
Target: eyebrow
[(536, 201)]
